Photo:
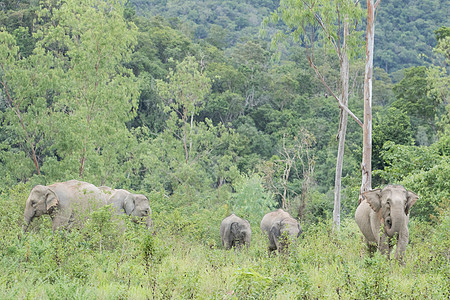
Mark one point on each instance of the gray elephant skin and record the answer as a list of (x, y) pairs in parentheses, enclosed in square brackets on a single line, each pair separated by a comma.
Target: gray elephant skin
[(62, 201), (280, 226), (134, 205), (383, 214), (235, 232)]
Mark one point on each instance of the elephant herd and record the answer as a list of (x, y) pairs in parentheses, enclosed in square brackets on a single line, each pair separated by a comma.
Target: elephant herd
[(63, 200), (382, 216), (279, 226)]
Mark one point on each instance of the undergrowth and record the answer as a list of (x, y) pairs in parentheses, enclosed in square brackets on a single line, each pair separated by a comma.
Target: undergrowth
[(112, 258)]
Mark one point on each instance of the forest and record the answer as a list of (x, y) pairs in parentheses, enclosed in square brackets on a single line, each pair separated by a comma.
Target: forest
[(210, 108)]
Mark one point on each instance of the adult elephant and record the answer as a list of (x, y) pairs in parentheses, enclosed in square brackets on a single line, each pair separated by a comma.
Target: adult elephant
[(124, 202), (61, 201), (280, 226), (235, 232), (383, 214)]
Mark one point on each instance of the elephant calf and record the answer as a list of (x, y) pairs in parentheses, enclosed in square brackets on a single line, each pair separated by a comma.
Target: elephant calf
[(61, 200), (235, 232), (383, 214), (279, 226), (135, 205)]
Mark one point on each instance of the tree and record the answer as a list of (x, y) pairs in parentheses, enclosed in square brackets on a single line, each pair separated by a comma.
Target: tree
[(26, 116), (100, 94), (80, 95), (295, 159), (414, 97), (391, 125), (334, 24), (366, 165), (184, 95)]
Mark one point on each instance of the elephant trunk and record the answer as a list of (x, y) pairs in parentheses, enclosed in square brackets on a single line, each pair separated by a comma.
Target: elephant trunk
[(394, 222), (149, 223), (28, 216)]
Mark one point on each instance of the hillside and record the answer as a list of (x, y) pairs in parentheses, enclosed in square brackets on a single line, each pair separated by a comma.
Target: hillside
[(404, 30)]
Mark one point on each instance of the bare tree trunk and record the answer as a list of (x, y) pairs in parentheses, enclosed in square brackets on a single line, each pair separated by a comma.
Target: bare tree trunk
[(366, 165), (288, 162), (186, 151), (344, 85)]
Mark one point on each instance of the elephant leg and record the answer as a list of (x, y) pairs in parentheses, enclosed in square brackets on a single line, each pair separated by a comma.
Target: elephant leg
[(227, 244), (384, 245), (372, 248), (403, 239), (271, 249), (238, 244)]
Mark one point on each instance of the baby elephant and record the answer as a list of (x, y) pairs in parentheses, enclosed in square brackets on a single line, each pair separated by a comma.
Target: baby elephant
[(280, 226), (235, 232), (383, 214), (135, 205)]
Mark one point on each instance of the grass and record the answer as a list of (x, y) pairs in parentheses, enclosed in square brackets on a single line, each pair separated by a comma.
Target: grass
[(105, 260)]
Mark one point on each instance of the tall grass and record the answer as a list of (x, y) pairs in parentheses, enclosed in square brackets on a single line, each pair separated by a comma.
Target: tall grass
[(108, 258)]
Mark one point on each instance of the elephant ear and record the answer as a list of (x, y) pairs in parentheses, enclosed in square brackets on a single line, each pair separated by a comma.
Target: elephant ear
[(51, 200), (235, 228), (128, 204), (411, 199), (276, 229), (373, 198)]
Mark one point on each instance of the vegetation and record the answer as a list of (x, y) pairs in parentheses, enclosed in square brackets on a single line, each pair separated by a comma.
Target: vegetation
[(192, 111), (185, 260)]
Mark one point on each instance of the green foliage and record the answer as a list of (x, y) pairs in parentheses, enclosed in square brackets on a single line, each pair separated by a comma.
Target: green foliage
[(392, 125), (404, 33), (75, 82), (328, 16), (219, 22), (102, 89), (251, 285), (423, 170), (103, 259), (318, 208), (251, 201), (382, 94), (414, 97)]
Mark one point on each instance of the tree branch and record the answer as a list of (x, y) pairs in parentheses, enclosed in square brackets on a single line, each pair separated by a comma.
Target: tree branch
[(331, 92), (319, 21), (377, 3)]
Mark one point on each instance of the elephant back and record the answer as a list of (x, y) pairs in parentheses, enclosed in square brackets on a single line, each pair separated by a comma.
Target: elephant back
[(75, 192), (272, 217)]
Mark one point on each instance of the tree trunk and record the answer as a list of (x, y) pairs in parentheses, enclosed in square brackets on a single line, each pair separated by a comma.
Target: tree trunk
[(366, 165), (344, 79)]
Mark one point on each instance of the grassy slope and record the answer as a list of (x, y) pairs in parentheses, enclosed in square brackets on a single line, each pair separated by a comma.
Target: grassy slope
[(102, 261)]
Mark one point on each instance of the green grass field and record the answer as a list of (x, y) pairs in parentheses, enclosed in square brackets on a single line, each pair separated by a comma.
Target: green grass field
[(112, 259)]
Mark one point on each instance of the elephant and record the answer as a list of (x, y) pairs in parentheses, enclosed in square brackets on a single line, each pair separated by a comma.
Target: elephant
[(61, 200), (124, 202), (383, 214), (235, 232), (280, 225)]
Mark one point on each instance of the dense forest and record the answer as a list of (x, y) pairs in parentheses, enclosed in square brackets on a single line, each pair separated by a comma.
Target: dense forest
[(190, 104)]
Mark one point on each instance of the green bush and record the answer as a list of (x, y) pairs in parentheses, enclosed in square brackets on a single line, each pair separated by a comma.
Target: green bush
[(423, 170), (251, 201)]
